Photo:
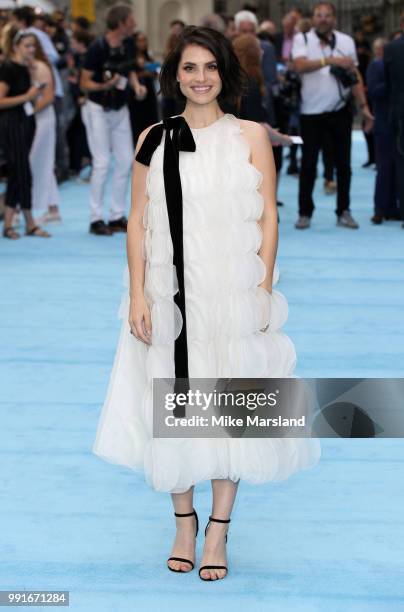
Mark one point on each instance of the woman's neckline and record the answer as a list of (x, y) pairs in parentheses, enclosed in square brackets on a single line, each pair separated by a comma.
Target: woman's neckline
[(206, 126), (14, 61)]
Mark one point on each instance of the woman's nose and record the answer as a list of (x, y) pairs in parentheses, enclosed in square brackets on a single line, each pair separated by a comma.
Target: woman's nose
[(201, 76)]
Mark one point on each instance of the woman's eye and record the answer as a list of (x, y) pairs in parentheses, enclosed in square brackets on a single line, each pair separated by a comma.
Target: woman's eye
[(210, 67)]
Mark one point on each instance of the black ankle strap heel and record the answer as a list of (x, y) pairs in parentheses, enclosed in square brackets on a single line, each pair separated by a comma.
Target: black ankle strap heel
[(215, 520), (193, 513), (204, 567)]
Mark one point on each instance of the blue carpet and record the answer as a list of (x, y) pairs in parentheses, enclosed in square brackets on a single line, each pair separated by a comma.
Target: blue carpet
[(330, 539)]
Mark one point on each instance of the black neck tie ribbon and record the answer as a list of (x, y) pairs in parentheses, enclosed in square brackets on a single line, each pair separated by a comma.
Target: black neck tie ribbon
[(180, 140)]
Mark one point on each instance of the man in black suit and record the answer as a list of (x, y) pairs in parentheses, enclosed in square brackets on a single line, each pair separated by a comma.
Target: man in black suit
[(394, 62)]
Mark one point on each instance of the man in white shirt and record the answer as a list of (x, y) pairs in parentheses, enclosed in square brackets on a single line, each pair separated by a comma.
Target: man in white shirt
[(325, 107)]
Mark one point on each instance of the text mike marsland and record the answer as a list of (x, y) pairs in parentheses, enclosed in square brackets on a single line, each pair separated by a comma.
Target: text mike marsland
[(229, 421)]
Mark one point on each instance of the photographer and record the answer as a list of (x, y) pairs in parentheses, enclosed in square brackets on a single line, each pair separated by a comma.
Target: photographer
[(108, 77), (326, 60)]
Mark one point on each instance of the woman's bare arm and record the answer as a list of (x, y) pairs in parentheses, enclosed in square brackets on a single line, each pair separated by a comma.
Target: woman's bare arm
[(139, 316), (43, 74), (262, 158), (10, 102)]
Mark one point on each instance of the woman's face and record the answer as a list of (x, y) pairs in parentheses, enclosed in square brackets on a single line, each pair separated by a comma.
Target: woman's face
[(141, 42), (26, 48), (198, 75)]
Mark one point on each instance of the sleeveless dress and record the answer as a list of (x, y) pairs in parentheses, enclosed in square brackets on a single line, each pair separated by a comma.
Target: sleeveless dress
[(225, 311)]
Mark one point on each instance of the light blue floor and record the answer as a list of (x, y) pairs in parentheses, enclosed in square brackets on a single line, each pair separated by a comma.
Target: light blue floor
[(326, 540)]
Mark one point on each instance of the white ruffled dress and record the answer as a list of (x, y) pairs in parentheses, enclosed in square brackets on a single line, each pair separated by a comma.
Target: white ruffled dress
[(225, 308)]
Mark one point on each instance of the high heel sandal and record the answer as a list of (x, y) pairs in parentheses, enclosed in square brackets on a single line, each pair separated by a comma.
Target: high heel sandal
[(193, 513), (209, 567)]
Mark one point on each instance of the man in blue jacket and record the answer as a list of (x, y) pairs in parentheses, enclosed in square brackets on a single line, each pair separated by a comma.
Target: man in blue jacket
[(394, 62), (385, 196)]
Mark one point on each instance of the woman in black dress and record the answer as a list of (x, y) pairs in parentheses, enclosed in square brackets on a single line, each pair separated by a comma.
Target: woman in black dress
[(17, 129)]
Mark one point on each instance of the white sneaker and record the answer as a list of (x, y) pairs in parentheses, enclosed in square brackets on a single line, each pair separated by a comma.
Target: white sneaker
[(347, 220), (303, 222)]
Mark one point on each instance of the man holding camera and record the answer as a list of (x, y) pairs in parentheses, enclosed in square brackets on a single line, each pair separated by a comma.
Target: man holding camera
[(326, 60), (108, 77)]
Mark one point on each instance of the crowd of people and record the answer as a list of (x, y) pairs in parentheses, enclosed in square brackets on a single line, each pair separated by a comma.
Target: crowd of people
[(71, 101)]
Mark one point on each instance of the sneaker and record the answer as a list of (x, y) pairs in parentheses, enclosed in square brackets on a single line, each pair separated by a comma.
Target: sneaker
[(302, 222), (330, 187), (100, 228), (118, 225), (346, 220)]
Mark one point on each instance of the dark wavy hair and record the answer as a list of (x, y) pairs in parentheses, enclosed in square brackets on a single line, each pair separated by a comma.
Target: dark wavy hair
[(231, 73)]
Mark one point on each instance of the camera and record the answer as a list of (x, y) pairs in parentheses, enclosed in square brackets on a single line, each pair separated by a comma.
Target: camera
[(111, 68), (289, 91), (344, 76), (347, 78)]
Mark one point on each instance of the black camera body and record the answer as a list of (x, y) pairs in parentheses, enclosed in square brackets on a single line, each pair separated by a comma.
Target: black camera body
[(289, 91), (347, 78)]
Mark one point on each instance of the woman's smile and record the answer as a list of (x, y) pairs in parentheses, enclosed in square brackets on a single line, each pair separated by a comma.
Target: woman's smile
[(201, 89)]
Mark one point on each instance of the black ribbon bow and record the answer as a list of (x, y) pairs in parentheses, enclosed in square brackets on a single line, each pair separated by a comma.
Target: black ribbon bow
[(180, 140)]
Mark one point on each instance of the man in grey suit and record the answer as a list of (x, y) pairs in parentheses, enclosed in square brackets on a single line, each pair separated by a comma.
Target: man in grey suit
[(394, 62)]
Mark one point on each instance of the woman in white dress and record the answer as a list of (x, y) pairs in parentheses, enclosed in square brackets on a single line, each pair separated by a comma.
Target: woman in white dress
[(45, 192), (218, 257)]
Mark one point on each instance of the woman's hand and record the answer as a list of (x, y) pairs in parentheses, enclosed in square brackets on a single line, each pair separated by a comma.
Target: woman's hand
[(280, 140), (265, 286), (277, 138), (32, 93), (140, 319)]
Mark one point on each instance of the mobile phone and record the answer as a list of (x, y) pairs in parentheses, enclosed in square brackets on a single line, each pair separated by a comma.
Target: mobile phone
[(296, 140)]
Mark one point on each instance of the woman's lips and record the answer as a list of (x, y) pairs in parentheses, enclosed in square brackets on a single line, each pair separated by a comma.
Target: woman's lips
[(200, 89)]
